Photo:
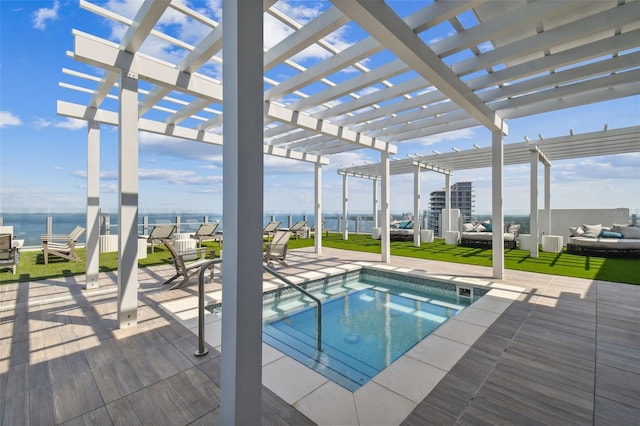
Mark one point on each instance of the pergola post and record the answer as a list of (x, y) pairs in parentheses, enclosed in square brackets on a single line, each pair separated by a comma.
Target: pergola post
[(128, 201), (497, 207), (345, 207), (384, 208), (93, 204), (375, 202), (533, 215), (318, 208), (243, 91), (446, 214), (547, 198), (416, 207)]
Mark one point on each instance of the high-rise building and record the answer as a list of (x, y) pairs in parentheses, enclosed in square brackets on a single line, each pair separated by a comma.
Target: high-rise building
[(462, 198)]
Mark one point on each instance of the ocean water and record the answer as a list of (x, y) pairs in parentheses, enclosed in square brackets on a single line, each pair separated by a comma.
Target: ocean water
[(30, 226)]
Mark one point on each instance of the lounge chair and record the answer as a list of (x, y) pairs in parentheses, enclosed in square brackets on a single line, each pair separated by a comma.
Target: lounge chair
[(158, 234), (61, 245), (270, 229), (296, 229), (8, 253), (207, 232), (187, 269), (277, 249)]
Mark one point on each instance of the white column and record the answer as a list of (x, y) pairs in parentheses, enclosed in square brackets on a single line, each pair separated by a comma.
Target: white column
[(384, 208), (241, 368), (318, 208), (93, 204), (533, 215), (547, 198), (128, 201), (416, 207), (446, 215), (375, 202), (497, 207), (345, 207)]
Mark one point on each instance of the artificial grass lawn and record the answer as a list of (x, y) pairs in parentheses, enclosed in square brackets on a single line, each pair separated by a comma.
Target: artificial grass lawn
[(606, 269), (31, 267)]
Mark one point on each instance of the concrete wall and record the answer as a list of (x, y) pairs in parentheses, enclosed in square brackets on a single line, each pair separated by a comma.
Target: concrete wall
[(562, 219)]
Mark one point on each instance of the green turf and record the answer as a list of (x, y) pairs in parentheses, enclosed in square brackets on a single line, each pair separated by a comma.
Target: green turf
[(617, 270), (31, 267), (564, 264)]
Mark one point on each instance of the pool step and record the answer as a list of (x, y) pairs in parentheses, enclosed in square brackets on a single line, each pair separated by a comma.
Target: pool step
[(337, 366)]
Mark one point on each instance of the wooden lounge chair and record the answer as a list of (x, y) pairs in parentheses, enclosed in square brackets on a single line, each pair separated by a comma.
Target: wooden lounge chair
[(207, 232), (187, 269), (61, 245), (159, 233), (270, 230), (8, 253), (277, 249)]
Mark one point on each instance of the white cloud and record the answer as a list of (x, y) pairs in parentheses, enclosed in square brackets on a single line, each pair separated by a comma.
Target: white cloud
[(8, 119), (448, 136), (41, 123), (41, 16), (71, 124)]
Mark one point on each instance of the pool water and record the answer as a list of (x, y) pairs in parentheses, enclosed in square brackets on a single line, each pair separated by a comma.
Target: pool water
[(366, 326)]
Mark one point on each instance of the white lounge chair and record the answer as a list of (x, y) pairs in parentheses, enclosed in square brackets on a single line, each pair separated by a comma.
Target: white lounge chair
[(61, 245), (277, 249)]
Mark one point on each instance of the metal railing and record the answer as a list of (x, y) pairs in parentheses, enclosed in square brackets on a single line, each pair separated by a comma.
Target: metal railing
[(309, 295), (202, 350)]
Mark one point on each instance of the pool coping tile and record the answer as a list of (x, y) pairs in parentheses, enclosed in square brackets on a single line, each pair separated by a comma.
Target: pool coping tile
[(387, 398)]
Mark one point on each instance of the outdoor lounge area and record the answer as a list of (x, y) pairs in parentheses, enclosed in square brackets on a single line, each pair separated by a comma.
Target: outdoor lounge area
[(533, 362), (358, 87)]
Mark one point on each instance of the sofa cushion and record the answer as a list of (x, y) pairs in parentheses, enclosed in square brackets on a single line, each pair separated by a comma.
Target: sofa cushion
[(488, 227), (592, 229), (479, 228), (406, 224), (589, 235), (576, 231), (618, 227), (630, 232), (610, 234), (514, 228)]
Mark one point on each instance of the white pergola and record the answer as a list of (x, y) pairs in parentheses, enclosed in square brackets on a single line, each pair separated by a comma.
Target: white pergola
[(545, 151), (448, 65)]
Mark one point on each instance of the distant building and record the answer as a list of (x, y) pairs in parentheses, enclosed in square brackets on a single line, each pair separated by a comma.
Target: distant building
[(462, 198)]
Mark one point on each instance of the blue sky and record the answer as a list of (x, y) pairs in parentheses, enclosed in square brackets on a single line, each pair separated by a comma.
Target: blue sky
[(43, 156)]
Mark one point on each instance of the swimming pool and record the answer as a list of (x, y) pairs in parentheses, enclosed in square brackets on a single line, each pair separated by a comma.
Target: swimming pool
[(370, 319)]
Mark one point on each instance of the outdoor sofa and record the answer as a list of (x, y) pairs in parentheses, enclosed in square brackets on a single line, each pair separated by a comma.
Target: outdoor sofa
[(480, 235), (604, 241), (401, 230)]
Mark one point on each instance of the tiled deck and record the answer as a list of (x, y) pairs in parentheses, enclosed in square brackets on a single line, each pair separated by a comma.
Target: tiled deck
[(567, 351)]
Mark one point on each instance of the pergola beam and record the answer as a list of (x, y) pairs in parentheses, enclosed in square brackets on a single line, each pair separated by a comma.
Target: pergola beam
[(81, 112), (377, 18)]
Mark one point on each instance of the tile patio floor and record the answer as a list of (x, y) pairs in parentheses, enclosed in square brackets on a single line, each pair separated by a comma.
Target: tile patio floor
[(566, 351)]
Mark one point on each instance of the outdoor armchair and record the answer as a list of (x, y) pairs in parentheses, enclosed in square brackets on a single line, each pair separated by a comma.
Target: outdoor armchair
[(62, 246), (188, 268), (276, 250)]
